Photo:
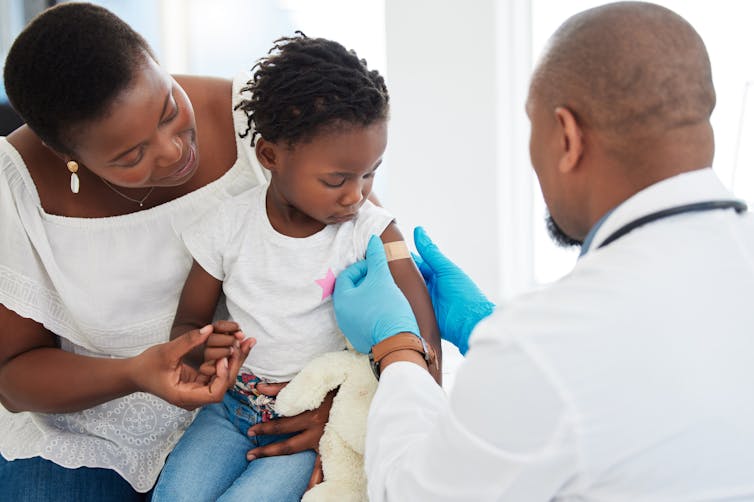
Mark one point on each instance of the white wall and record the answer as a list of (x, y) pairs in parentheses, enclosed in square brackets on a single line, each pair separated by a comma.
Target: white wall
[(456, 73)]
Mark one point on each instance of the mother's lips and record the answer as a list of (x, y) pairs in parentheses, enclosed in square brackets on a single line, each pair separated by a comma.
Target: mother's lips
[(185, 167)]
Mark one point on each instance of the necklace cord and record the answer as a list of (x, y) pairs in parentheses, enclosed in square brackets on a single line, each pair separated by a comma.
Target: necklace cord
[(140, 202)]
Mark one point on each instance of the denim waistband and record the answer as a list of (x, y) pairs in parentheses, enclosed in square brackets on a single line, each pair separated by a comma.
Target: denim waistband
[(245, 391)]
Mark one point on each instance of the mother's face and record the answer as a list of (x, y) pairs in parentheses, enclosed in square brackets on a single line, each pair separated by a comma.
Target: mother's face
[(147, 137)]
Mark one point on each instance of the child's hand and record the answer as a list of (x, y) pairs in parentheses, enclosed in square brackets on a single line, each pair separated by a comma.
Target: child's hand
[(226, 337), (227, 342), (307, 428)]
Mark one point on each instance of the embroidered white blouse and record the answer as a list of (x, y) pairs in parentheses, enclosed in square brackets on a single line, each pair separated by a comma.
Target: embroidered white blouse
[(108, 287)]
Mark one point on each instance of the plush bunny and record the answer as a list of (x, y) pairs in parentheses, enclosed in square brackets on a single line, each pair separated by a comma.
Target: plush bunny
[(342, 444)]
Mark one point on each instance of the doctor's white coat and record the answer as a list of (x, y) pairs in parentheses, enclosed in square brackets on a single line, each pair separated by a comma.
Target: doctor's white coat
[(630, 379)]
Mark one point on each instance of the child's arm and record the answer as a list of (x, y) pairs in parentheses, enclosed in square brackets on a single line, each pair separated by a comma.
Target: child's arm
[(196, 308), (411, 283)]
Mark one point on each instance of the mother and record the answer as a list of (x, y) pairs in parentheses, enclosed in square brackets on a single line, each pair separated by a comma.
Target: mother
[(94, 192)]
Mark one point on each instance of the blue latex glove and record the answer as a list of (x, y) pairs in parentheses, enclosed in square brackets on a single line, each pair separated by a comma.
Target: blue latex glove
[(458, 303), (369, 307)]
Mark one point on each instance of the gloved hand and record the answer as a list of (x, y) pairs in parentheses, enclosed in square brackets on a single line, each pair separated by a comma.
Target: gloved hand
[(369, 307), (458, 303)]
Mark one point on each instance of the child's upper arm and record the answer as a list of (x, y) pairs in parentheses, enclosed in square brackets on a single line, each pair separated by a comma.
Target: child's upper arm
[(411, 283), (199, 297)]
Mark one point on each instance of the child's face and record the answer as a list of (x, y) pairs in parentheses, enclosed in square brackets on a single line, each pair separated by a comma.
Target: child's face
[(329, 178)]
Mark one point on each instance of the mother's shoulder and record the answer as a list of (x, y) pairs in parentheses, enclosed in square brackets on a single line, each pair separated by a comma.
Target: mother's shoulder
[(207, 94)]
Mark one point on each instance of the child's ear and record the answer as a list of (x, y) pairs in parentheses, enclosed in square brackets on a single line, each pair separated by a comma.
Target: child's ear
[(267, 153)]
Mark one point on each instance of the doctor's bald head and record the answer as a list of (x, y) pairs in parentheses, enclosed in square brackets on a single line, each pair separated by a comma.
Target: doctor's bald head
[(631, 71)]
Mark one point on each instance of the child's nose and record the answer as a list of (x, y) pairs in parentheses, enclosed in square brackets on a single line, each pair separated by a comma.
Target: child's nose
[(352, 196)]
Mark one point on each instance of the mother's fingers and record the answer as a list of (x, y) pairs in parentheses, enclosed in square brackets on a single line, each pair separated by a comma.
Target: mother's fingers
[(317, 475), (218, 353), (270, 389), (282, 425), (236, 360), (307, 440), (201, 390), (308, 425), (182, 345)]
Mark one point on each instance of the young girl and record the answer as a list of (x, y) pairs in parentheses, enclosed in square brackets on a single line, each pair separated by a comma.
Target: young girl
[(319, 122)]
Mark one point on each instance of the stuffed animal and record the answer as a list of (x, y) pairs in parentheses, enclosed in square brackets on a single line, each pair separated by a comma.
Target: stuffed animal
[(342, 445)]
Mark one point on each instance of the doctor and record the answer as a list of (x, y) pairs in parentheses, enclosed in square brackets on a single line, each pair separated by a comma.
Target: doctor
[(632, 378)]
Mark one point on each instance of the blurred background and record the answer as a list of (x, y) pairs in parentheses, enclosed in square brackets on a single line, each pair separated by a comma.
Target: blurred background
[(457, 160)]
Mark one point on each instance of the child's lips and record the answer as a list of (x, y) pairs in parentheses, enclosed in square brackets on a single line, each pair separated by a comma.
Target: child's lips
[(345, 217)]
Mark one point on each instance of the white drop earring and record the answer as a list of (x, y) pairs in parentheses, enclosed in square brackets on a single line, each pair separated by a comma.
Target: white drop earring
[(73, 166)]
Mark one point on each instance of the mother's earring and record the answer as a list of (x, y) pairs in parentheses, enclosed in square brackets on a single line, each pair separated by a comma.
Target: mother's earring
[(73, 166)]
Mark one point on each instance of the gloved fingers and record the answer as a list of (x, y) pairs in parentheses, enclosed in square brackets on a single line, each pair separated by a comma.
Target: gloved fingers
[(429, 251), (426, 271), (351, 277), (376, 259)]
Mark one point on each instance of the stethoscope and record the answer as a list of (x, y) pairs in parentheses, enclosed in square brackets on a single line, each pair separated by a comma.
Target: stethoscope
[(696, 207)]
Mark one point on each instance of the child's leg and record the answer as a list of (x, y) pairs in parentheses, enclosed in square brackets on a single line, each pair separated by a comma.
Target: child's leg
[(207, 460), (273, 479)]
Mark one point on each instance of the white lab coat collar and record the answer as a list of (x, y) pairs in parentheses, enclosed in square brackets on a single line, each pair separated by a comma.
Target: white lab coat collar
[(695, 186)]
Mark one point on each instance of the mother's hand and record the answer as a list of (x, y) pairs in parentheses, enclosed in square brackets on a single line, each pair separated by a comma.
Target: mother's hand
[(309, 426), (161, 371)]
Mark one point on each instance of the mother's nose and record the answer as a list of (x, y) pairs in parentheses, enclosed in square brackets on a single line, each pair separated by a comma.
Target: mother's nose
[(170, 149)]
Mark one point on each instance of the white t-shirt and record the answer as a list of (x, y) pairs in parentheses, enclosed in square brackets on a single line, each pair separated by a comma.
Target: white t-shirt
[(630, 379), (278, 288), (108, 287)]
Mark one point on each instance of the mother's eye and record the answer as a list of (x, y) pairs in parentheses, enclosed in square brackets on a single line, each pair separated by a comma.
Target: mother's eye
[(172, 115), (132, 158)]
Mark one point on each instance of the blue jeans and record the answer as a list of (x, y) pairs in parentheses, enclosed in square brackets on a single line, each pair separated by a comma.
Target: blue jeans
[(209, 462), (39, 480)]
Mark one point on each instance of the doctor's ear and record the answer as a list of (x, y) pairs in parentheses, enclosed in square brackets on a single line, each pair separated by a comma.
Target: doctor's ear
[(267, 153), (571, 139)]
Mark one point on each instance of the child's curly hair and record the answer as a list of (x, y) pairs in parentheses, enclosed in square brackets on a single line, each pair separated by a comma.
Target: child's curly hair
[(307, 85)]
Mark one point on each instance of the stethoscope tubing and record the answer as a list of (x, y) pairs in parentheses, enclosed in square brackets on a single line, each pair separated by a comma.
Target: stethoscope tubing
[(711, 205)]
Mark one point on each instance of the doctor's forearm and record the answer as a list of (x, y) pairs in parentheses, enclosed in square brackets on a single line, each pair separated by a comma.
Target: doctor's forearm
[(406, 355), (407, 404)]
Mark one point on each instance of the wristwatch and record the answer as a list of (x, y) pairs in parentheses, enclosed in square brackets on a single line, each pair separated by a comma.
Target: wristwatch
[(401, 341)]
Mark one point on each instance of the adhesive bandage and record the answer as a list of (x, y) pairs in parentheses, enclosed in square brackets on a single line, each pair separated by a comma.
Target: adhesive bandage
[(396, 250)]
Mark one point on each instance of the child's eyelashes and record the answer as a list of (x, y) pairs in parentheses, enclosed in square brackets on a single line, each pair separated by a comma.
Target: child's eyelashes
[(334, 185), (336, 180)]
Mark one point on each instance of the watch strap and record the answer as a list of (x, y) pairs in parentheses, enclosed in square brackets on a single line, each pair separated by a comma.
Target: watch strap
[(401, 341)]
